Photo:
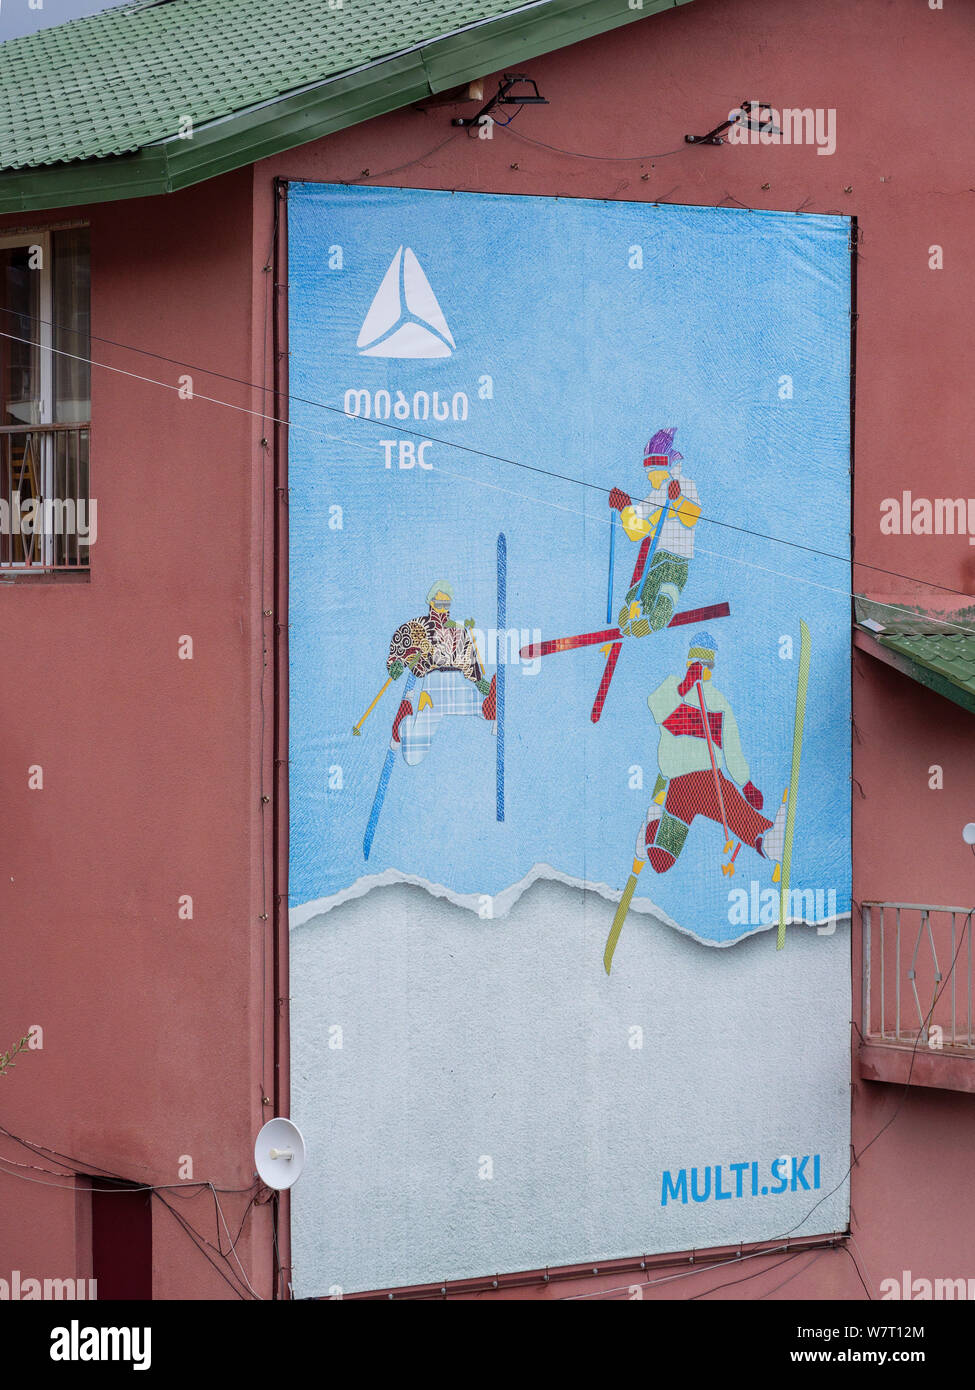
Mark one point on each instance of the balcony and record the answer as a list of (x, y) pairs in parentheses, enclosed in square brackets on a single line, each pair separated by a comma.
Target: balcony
[(44, 504), (918, 1023)]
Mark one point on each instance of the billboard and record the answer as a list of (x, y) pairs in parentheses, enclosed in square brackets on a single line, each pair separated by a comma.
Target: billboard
[(569, 723)]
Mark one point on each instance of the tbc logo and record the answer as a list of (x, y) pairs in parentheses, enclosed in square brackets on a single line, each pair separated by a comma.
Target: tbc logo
[(404, 319)]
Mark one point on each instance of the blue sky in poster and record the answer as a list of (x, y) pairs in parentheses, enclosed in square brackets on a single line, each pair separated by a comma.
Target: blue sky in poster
[(588, 357)]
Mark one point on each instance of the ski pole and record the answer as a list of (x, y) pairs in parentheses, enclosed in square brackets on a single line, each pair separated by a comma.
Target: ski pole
[(621, 913), (612, 549), (357, 728), (790, 815), (500, 659), (714, 765)]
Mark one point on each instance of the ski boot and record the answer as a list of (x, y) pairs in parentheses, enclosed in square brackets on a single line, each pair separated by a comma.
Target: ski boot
[(772, 842)]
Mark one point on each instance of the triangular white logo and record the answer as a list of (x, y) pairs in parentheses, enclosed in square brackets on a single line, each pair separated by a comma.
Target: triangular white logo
[(404, 319)]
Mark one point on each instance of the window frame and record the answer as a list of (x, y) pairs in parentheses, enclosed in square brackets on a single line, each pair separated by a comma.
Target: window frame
[(46, 562)]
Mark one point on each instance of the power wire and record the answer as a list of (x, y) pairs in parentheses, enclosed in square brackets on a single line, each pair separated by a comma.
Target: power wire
[(154, 1189), (463, 448), (602, 158)]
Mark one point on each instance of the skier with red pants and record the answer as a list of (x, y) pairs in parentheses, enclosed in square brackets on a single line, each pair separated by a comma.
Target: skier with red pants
[(702, 776)]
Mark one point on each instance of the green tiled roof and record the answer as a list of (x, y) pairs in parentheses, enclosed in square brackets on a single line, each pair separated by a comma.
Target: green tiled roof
[(93, 108), (951, 655), (938, 651), (118, 80)]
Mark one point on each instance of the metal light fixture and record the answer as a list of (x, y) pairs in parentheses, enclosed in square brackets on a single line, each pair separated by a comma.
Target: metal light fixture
[(765, 124), (504, 97)]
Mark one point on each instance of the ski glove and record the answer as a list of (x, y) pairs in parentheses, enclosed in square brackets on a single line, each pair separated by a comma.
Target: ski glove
[(396, 669), (484, 686), (673, 490), (753, 796), (618, 499), (693, 676)]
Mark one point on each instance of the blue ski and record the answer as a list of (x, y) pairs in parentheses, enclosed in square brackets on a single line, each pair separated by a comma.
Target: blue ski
[(503, 651), (384, 776)]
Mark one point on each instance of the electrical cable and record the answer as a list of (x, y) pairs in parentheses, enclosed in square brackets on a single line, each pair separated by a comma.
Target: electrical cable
[(684, 1274), (856, 1266), (745, 1278), (233, 1242), (230, 1281), (818, 1255), (481, 453), (83, 1166), (602, 158), (154, 1190), (384, 173)]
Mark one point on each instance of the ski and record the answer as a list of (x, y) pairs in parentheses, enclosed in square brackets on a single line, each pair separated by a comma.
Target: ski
[(621, 914), (613, 634), (617, 647), (604, 681), (790, 815), (499, 686), (384, 776)]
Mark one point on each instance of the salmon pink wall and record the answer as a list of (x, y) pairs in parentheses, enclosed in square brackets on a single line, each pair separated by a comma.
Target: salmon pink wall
[(158, 1032), (152, 1024)]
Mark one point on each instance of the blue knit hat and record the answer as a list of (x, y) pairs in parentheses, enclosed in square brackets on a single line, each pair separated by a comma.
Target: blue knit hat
[(703, 648)]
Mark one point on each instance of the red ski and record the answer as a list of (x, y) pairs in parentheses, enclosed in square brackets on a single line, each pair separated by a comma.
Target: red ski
[(691, 615), (647, 548), (608, 670), (612, 634)]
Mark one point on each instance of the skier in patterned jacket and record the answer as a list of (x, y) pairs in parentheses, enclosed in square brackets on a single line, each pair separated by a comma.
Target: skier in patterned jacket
[(443, 657), (674, 503), (686, 786)]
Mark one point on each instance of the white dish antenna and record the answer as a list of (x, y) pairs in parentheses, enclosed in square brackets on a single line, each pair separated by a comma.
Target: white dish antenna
[(279, 1154)]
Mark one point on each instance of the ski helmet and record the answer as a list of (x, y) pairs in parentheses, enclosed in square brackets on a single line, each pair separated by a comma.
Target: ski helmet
[(440, 594), (702, 648)]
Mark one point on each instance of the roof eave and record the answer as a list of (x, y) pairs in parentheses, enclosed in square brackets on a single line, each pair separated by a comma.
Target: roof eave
[(924, 675), (332, 105)]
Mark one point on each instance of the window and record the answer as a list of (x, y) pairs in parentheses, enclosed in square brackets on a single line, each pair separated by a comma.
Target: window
[(45, 400)]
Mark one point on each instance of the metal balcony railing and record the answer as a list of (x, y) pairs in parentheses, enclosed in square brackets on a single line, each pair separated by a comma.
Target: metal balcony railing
[(44, 502), (917, 975)]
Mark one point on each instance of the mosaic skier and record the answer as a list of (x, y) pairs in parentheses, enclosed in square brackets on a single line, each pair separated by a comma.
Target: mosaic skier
[(443, 660), (674, 507), (703, 770)]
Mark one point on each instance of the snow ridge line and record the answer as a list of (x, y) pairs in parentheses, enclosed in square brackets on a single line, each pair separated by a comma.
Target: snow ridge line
[(502, 903)]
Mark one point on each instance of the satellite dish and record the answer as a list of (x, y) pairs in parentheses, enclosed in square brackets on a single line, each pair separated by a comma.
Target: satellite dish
[(279, 1154), (968, 834)]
